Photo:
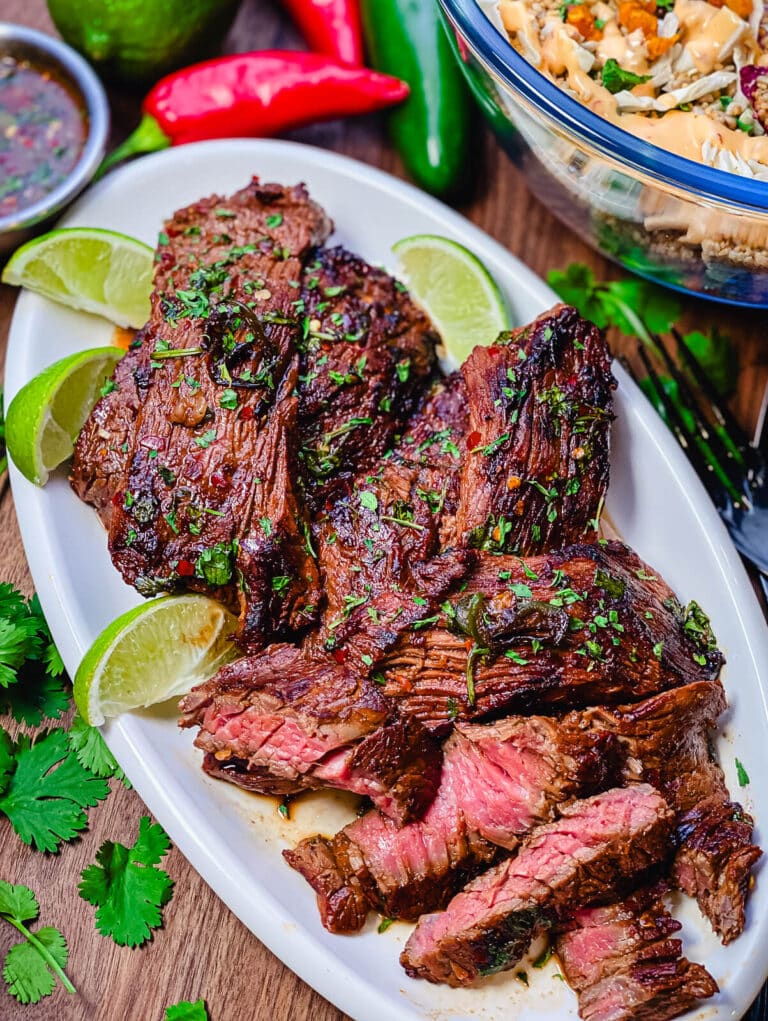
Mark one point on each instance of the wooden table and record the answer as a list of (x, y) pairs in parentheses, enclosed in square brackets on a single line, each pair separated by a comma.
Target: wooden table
[(203, 950)]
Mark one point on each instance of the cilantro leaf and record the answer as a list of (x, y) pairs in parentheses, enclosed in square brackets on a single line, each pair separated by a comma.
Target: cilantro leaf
[(616, 79), (741, 774), (126, 888), (54, 664), (186, 1011), (28, 974), (32, 967), (91, 751), (45, 805), (18, 901), (7, 761), (635, 307), (37, 695)]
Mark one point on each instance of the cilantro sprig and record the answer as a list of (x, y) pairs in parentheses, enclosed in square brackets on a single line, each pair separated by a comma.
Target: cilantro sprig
[(31, 669), (44, 789), (32, 966), (127, 888), (639, 309), (186, 1011), (91, 751)]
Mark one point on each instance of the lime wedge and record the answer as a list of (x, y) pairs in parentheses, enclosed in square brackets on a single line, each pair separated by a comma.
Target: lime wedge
[(93, 270), (46, 415), (156, 651), (455, 289)]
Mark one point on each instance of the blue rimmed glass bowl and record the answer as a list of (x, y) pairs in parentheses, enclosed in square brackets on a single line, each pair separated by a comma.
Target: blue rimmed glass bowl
[(667, 218)]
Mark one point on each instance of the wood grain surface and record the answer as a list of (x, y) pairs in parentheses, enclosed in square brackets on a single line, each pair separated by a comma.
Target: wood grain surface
[(203, 950)]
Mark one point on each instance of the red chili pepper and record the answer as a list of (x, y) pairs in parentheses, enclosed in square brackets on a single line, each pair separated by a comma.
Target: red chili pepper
[(473, 439), (340, 655), (332, 27), (254, 95), (185, 569)]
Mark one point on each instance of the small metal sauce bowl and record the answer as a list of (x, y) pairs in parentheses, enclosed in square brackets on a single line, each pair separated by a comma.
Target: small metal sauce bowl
[(45, 51)]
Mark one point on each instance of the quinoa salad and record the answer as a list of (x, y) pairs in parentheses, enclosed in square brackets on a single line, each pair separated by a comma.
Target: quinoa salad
[(690, 76)]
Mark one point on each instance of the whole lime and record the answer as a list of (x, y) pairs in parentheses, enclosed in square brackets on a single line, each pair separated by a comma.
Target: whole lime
[(136, 41)]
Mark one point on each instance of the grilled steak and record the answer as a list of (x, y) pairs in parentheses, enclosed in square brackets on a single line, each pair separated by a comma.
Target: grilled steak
[(668, 741), (268, 368), (624, 964), (536, 467), (590, 623), (590, 852), (366, 356), (260, 731), (497, 783)]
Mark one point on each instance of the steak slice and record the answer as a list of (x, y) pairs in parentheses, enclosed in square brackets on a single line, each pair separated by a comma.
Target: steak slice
[(583, 625), (540, 407), (594, 849), (667, 738), (497, 783), (624, 965), (367, 353), (280, 724)]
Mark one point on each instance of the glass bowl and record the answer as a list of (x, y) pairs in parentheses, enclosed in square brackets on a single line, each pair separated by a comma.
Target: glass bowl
[(676, 222)]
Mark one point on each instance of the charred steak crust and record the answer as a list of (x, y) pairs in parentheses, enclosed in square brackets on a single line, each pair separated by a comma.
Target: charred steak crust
[(667, 739), (586, 624), (367, 353), (596, 847), (498, 782), (540, 407), (624, 964)]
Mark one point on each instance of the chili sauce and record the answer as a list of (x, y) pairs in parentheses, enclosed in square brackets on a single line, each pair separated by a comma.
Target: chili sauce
[(43, 129)]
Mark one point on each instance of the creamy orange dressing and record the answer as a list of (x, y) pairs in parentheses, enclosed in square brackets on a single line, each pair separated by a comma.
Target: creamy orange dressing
[(711, 33), (707, 31)]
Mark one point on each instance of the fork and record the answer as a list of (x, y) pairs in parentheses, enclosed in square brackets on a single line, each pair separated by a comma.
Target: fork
[(733, 469)]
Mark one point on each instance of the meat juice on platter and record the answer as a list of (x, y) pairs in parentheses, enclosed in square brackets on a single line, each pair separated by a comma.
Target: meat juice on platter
[(428, 616), (43, 129)]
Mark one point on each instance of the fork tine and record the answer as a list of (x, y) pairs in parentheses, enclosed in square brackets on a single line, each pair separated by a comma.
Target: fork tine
[(725, 458), (735, 433), (702, 467)]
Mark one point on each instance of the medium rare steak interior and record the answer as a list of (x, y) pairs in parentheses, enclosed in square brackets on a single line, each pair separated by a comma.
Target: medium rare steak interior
[(626, 965), (429, 617), (596, 847)]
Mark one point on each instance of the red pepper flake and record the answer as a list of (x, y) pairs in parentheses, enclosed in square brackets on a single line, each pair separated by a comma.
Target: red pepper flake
[(118, 499), (246, 414), (572, 380), (218, 479), (185, 569), (340, 655), (494, 351), (473, 439)]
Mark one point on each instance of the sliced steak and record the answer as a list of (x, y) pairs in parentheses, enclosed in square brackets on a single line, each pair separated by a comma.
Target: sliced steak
[(280, 724), (540, 407), (594, 849), (625, 965), (497, 783), (667, 738), (587, 624)]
